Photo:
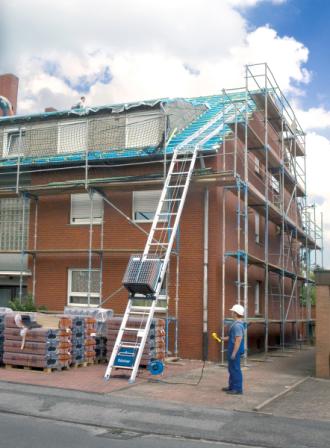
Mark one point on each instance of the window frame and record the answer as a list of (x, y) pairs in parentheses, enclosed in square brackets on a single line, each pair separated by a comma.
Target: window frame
[(85, 221), (5, 147), (152, 114), (256, 165), (257, 288), (81, 294), (257, 227), (62, 125)]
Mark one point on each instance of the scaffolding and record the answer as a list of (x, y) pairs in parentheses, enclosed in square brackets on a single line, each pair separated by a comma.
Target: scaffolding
[(259, 147), (270, 181)]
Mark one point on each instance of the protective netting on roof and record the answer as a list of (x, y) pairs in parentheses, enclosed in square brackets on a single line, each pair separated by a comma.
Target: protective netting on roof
[(129, 133), (120, 132)]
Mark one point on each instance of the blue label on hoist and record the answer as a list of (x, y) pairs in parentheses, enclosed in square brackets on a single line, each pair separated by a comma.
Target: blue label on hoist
[(125, 357)]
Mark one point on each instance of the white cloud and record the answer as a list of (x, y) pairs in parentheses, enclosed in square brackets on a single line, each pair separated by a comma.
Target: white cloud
[(318, 161), (314, 118), (146, 45), (152, 49)]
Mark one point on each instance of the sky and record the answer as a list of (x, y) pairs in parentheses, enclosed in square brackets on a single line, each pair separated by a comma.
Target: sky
[(115, 51)]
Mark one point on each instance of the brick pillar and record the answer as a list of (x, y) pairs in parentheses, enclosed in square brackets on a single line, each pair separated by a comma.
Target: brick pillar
[(9, 88), (322, 323)]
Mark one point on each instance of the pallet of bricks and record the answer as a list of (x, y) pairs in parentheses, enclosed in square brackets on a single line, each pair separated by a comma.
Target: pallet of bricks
[(155, 346), (3, 313), (36, 341), (88, 334)]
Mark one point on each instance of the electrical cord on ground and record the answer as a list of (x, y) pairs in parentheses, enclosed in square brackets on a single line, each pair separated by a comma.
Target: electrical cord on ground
[(181, 382)]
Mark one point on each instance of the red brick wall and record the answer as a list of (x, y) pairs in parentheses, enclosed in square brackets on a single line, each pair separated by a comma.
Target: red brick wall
[(55, 231), (322, 331)]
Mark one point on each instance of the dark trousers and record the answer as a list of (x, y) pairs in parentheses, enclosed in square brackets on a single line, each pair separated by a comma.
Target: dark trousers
[(235, 374)]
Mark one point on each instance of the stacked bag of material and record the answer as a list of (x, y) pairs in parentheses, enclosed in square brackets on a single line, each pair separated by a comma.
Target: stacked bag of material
[(155, 346), (33, 340), (101, 349), (2, 336), (78, 340), (83, 339), (90, 339), (100, 314), (94, 330)]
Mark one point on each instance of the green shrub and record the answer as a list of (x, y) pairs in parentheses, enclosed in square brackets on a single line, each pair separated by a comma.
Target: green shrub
[(26, 304)]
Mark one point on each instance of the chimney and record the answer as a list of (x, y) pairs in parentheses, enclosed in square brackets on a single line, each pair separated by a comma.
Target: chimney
[(50, 109), (9, 88)]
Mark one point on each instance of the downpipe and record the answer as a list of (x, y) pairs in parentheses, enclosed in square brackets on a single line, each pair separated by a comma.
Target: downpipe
[(205, 274)]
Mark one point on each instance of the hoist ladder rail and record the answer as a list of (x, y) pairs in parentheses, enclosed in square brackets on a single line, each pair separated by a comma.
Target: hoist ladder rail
[(166, 258), (178, 151)]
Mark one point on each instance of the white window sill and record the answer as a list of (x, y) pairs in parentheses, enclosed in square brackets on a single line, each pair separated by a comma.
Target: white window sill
[(85, 223), (85, 305)]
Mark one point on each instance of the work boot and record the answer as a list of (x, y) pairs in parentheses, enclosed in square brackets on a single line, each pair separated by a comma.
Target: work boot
[(226, 389), (234, 392)]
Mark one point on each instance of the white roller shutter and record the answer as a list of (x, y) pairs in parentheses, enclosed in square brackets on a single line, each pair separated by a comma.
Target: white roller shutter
[(72, 137), (81, 208), (145, 204)]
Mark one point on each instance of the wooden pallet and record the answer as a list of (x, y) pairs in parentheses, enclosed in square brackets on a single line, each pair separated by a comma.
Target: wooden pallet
[(85, 363), (101, 361), (36, 369)]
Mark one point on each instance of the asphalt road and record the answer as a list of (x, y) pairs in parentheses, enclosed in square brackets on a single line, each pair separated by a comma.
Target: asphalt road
[(33, 416), (17, 431)]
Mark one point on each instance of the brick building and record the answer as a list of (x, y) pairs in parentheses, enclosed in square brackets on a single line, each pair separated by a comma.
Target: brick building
[(322, 343), (79, 189)]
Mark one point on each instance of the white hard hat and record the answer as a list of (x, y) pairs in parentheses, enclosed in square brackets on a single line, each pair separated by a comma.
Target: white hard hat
[(238, 309)]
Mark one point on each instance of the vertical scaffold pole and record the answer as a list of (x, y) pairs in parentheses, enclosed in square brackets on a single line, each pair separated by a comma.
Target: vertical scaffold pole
[(223, 272), (86, 155), (266, 254), (23, 244), (177, 289), (34, 280), (18, 172), (246, 219), (90, 248), (282, 239), (101, 255)]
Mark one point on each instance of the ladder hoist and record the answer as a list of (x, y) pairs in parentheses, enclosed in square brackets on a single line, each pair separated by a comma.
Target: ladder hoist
[(145, 272)]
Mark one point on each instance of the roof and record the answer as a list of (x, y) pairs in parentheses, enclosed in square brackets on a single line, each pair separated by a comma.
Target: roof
[(207, 128), (78, 113)]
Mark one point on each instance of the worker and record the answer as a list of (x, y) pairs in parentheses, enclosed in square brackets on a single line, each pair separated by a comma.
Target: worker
[(235, 351), (81, 103), (6, 107)]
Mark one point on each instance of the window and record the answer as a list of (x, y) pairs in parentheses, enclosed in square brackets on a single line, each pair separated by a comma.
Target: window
[(257, 227), (145, 205), (14, 142), (162, 301), (257, 298), (11, 223), (78, 287), (143, 129), (81, 208), (275, 184), (256, 165), (72, 137)]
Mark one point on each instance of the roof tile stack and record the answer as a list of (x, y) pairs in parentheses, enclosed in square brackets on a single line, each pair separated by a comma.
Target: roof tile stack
[(2, 336), (47, 348), (155, 344)]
